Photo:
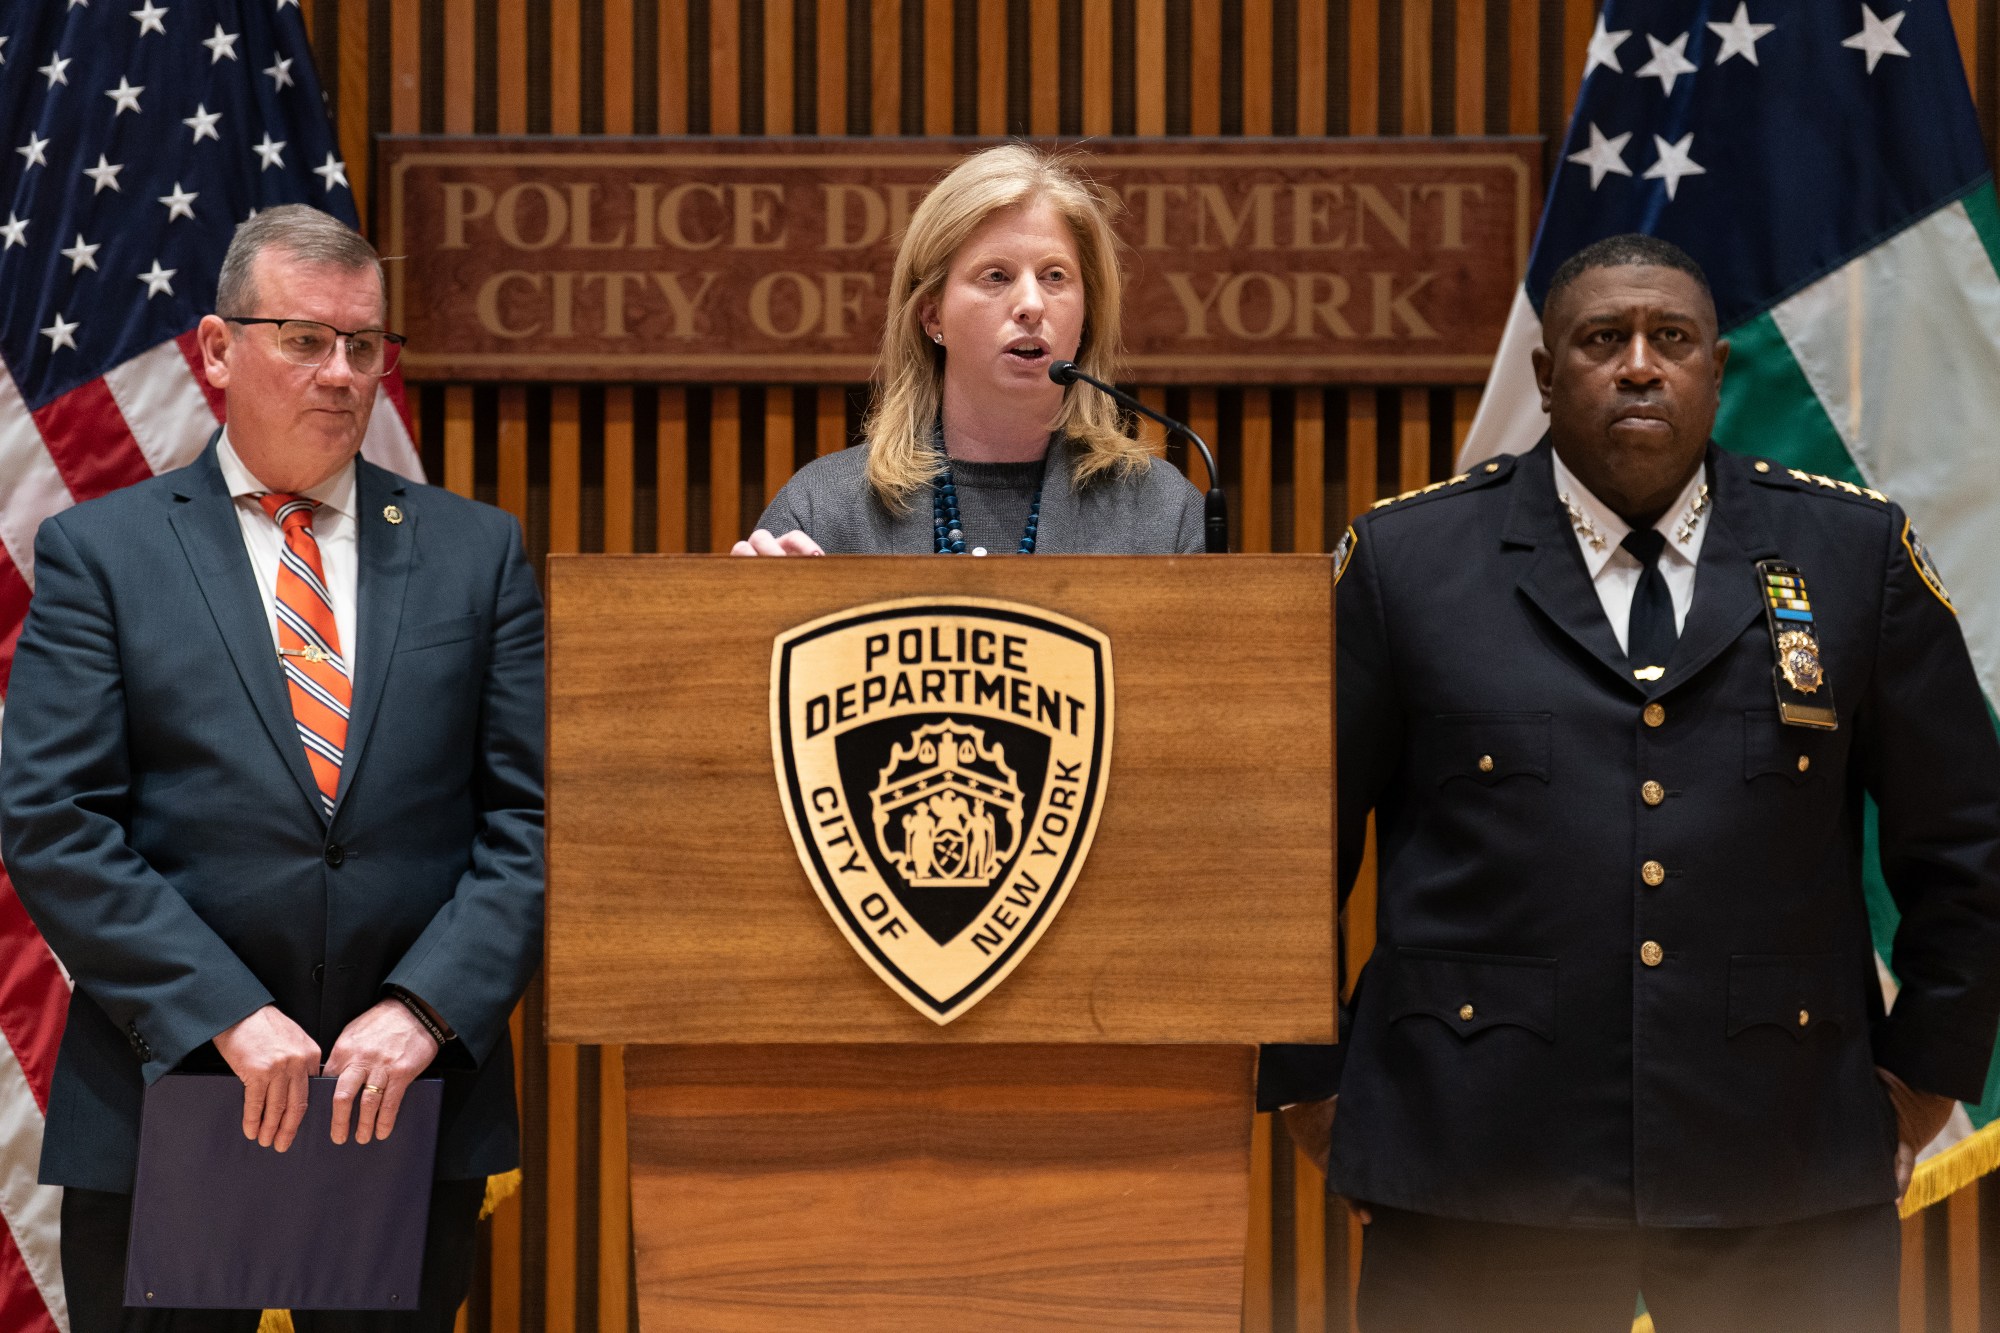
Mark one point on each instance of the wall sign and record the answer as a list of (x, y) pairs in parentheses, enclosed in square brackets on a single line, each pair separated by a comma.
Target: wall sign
[(1250, 261)]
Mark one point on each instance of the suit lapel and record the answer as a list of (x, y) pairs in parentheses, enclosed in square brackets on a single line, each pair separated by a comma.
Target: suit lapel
[(1557, 580), (204, 520), (1725, 583), (384, 550)]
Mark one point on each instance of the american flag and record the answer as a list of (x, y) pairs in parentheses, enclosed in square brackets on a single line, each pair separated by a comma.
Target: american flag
[(132, 141)]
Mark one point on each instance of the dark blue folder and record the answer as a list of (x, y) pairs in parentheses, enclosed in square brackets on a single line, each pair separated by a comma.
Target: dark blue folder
[(220, 1223)]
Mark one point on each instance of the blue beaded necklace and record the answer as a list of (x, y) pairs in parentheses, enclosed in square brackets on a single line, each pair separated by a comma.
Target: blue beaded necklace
[(950, 533)]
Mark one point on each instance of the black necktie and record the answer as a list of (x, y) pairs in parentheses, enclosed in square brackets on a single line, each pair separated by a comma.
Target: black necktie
[(1650, 635)]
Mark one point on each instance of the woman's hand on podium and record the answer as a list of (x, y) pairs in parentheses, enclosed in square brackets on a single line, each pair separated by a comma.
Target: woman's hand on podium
[(760, 542)]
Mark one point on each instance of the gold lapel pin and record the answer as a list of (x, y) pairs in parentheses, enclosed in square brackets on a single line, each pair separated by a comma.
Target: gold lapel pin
[(392, 513)]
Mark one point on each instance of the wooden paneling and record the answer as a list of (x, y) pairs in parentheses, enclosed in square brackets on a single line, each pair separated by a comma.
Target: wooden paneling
[(778, 427), (656, 802), (619, 461), (1257, 1294), (655, 468), (1102, 1186), (672, 470)]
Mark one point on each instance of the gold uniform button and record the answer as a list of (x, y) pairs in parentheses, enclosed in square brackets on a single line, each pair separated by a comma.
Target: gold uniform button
[(1655, 715), (1653, 873), (1485, 763), (1492, 467), (1650, 954), (1805, 1017), (1652, 793), (1465, 1012), (1761, 465), (1805, 762)]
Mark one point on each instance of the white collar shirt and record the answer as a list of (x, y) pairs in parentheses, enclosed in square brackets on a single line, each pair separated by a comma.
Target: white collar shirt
[(1614, 571), (333, 524)]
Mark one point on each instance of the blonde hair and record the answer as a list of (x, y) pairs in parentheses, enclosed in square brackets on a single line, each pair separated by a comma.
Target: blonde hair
[(902, 456)]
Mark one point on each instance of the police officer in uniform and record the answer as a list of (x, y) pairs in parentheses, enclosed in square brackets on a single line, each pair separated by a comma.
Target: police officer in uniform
[(1615, 705)]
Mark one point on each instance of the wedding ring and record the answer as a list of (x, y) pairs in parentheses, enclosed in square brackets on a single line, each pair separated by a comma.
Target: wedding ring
[(375, 1088)]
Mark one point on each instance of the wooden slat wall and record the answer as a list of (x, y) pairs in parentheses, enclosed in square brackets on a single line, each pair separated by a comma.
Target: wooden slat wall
[(665, 468)]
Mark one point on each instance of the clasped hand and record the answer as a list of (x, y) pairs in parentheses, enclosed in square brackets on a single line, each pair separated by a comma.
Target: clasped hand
[(1920, 1117), (374, 1062)]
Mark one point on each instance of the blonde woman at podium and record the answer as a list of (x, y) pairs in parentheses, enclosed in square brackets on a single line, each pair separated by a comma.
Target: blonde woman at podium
[(1009, 266)]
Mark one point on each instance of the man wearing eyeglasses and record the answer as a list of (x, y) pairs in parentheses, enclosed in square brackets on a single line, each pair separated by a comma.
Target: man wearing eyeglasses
[(273, 779)]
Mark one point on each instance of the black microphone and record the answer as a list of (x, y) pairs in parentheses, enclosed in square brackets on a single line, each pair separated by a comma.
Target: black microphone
[(1215, 508)]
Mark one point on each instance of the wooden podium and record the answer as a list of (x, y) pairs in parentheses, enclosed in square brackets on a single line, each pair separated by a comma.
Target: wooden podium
[(811, 1152)]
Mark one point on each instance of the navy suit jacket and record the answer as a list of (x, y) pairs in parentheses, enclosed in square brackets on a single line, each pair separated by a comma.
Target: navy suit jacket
[(1510, 1055), (165, 834)]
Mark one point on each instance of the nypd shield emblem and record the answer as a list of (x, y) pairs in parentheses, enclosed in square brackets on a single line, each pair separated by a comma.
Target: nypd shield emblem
[(942, 763), (1920, 557)]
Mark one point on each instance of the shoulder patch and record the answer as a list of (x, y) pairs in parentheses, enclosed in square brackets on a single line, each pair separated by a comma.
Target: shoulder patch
[(1343, 550), (1920, 556)]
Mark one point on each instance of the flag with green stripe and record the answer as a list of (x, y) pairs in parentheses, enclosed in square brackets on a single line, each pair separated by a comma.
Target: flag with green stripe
[(1823, 162)]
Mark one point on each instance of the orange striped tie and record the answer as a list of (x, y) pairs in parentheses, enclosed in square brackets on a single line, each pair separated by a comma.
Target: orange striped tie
[(309, 644)]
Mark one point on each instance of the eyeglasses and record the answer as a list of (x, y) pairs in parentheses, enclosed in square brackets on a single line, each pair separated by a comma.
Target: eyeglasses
[(307, 342)]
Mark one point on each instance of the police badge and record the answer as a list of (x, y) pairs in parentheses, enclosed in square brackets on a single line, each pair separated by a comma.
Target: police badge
[(942, 764), (1799, 675), (1798, 659)]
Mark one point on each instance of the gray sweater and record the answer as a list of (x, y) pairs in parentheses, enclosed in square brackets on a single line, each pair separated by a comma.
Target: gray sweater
[(1155, 512)]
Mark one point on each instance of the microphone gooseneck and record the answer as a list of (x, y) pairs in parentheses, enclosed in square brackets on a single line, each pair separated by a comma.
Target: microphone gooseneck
[(1215, 508)]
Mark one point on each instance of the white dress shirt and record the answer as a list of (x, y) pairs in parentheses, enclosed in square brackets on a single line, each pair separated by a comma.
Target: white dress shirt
[(333, 526), (1614, 571)]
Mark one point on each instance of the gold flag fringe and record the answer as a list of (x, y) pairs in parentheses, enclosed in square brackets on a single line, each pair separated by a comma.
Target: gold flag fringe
[(498, 1190), (1953, 1169)]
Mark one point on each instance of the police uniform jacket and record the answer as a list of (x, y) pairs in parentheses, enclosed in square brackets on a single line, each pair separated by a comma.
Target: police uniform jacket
[(1543, 1036)]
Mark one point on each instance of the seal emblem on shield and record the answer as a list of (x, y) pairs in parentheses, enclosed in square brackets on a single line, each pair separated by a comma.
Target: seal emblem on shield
[(942, 763), (1798, 658)]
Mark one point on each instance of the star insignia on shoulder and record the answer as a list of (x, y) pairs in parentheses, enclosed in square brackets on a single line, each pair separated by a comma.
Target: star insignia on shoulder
[(1835, 484), (1423, 490)]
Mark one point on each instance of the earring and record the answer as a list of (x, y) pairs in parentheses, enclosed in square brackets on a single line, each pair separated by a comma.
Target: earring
[(938, 338)]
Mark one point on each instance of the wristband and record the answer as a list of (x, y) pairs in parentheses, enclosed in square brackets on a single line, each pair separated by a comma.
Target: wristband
[(417, 1011)]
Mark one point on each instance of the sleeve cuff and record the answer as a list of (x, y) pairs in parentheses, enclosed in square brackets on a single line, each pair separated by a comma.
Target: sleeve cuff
[(1935, 1063), (1288, 1073)]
